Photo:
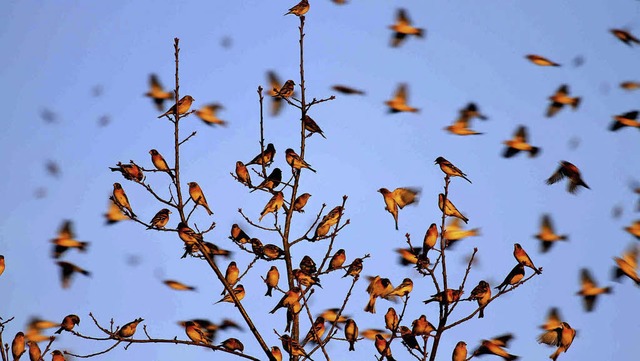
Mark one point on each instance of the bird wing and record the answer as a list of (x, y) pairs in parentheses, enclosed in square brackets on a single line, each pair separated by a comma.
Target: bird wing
[(405, 196), (555, 177), (586, 279), (553, 108), (563, 90), (547, 224), (510, 152), (155, 84), (66, 230), (401, 93), (502, 340), (551, 337), (402, 18), (521, 134)]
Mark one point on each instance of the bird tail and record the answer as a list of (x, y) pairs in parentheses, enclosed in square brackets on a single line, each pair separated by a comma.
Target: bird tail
[(420, 33), (268, 292), (576, 102), (351, 347), (534, 151), (371, 306), (466, 178), (59, 330), (85, 272), (481, 313), (465, 219), (83, 246)]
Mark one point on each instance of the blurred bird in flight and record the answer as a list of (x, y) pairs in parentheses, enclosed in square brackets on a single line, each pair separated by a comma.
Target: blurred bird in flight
[(403, 28), (570, 171), (157, 93), (67, 270), (519, 143), (208, 114), (627, 265), (347, 90), (547, 235), (178, 286), (561, 336), (590, 290), (399, 198), (625, 36), (561, 98), (541, 60), (67, 239), (496, 347), (628, 119), (398, 103)]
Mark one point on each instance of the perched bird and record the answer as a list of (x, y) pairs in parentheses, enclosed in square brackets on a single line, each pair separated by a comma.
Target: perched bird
[(590, 290), (496, 347), (403, 289), (273, 180), (265, 157), (242, 174), (272, 252), (256, 247), (560, 99), (391, 319), (627, 265), (630, 85), (292, 346), (57, 356), (547, 235), (121, 200), (553, 320), (114, 214), (402, 28), (523, 258), (316, 331), (308, 265), (430, 237), (273, 276), (157, 93), (625, 36), (519, 143), (66, 240), (292, 310), (2, 264), (328, 221), (454, 232), (198, 197), (300, 202), (449, 169), (183, 106), (422, 327), (35, 353), (68, 322), (275, 203), (541, 60), (276, 353), (354, 268), (482, 294), (447, 296), (18, 346), (178, 286), (459, 352), (208, 115), (398, 103), (188, 235), (160, 163), (351, 333), (129, 329), (312, 127), (232, 344), (378, 287), (238, 291), (516, 274), (288, 299), (295, 161), (299, 9), (195, 334), (129, 171), (383, 347), (160, 220), (561, 336), (337, 260), (67, 270), (231, 275), (408, 338), (238, 235), (450, 209), (625, 120), (347, 90), (274, 86), (570, 171), (286, 91), (399, 198)]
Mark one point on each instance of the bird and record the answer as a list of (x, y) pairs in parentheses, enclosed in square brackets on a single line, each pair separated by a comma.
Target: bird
[(519, 143), (383, 347), (625, 120), (195, 334), (114, 214), (231, 275), (553, 320), (66, 240), (561, 98), (256, 247), (265, 157), (430, 237), (57, 356), (627, 265), (286, 91), (450, 209), (156, 92), (399, 198), (402, 28), (312, 127), (496, 347), (316, 331), (188, 235), (242, 174), (516, 274), (160, 163), (299, 9), (461, 127), (454, 232), (354, 268), (273, 276), (328, 221), (308, 265), (482, 294), (178, 286), (561, 336), (273, 180), (300, 202), (68, 322), (121, 200), (459, 352), (129, 329), (52, 168), (296, 162), (183, 106), (337, 260), (207, 114), (398, 103), (523, 258), (160, 220), (630, 85), (403, 289), (18, 346), (238, 235), (590, 290), (272, 252), (547, 235), (378, 287), (351, 333), (274, 85), (391, 319), (2, 265), (238, 290), (422, 327), (344, 89), (408, 338), (570, 171), (129, 171), (625, 36), (67, 270), (292, 346), (35, 353), (276, 353), (275, 203), (471, 111), (198, 197), (447, 296), (449, 169), (541, 60), (288, 299), (409, 256), (232, 344)]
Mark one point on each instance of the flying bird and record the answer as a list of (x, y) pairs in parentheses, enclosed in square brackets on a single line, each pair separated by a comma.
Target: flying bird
[(183, 106), (67, 270), (496, 347), (570, 171), (2, 265), (450, 209), (625, 120), (634, 229), (398, 103), (630, 85), (454, 232), (625, 36), (547, 235), (560, 99), (299, 9), (156, 92), (449, 169), (66, 239), (274, 85), (471, 111), (178, 286), (553, 320), (561, 336), (541, 60), (347, 90), (590, 290), (208, 114), (399, 198), (114, 214), (627, 265), (519, 143), (403, 28)]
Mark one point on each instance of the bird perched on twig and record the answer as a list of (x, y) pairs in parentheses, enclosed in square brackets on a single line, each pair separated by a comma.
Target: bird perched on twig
[(299, 9), (286, 91), (450, 209), (183, 106), (449, 169)]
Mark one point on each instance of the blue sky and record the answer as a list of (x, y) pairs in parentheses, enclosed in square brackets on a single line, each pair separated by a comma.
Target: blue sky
[(57, 52)]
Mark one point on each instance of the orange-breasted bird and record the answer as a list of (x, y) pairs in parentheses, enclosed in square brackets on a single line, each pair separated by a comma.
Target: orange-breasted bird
[(195, 334), (447, 296), (408, 338), (454, 232), (354, 268), (160, 220), (272, 279), (482, 294), (398, 103), (516, 274), (422, 327), (570, 171), (157, 93), (344, 89), (523, 258), (300, 8), (630, 85), (496, 347), (590, 290), (450, 209), (129, 329), (547, 235), (403, 289), (242, 173), (68, 322), (67, 270), (265, 157), (449, 169), (561, 98), (160, 163), (561, 337), (273, 180), (35, 353), (459, 352), (232, 344), (300, 202), (391, 319), (272, 252), (178, 286), (288, 299), (292, 346), (276, 353), (275, 203), (625, 120), (114, 214), (316, 331), (238, 235), (198, 197), (121, 200), (56, 355), (208, 114), (337, 260), (383, 347), (351, 333), (378, 287), (519, 143), (66, 239), (183, 106), (402, 28), (231, 275), (553, 320), (238, 291), (430, 238), (625, 36), (627, 265), (129, 171), (188, 235), (295, 161), (399, 198), (18, 346), (541, 60), (312, 127), (308, 265), (2, 264), (286, 91)]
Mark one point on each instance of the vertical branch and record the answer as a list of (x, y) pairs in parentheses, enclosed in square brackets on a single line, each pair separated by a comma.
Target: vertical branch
[(261, 100), (176, 133)]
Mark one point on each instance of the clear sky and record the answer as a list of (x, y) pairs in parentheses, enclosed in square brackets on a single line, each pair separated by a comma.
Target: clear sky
[(56, 52)]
